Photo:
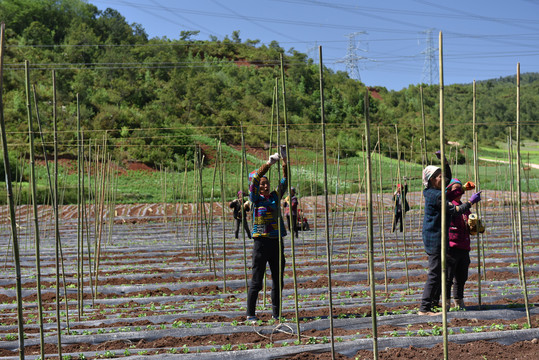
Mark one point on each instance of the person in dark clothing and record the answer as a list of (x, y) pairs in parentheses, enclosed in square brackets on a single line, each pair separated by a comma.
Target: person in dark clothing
[(291, 212), (458, 253), (399, 199), (432, 231), (239, 208), (268, 230)]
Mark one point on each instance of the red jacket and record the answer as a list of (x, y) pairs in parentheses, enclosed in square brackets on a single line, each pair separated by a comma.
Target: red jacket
[(459, 233)]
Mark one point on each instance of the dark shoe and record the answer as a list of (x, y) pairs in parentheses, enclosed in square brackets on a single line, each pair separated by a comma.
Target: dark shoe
[(459, 304), (251, 319)]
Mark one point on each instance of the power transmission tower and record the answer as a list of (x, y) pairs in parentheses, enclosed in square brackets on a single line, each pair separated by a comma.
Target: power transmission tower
[(312, 52), (351, 60), (430, 66)]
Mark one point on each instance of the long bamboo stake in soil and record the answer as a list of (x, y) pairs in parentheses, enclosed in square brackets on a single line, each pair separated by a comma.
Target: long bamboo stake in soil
[(444, 201), (204, 219), (223, 218), (9, 189), (476, 180), (370, 226), (80, 242), (349, 252), (381, 213), (242, 229), (38, 261), (34, 206), (403, 222), (211, 212), (289, 182), (56, 217), (100, 212), (86, 212), (315, 180), (424, 123), (519, 198), (326, 199)]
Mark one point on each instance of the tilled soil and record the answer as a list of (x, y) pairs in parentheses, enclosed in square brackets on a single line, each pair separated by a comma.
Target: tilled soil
[(166, 289)]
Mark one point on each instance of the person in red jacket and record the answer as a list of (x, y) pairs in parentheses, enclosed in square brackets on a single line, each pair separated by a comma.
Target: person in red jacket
[(458, 252)]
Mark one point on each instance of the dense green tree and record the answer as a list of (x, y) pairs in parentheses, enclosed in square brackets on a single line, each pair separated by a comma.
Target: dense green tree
[(151, 96)]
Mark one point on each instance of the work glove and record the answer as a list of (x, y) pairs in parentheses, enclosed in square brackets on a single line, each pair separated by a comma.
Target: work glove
[(274, 158), (475, 198), (283, 152), (470, 185), (438, 154)]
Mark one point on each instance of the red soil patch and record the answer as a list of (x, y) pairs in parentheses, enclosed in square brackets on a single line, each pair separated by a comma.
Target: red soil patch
[(138, 166), (374, 93)]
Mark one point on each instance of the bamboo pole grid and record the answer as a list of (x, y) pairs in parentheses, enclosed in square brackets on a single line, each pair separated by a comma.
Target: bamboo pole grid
[(101, 194)]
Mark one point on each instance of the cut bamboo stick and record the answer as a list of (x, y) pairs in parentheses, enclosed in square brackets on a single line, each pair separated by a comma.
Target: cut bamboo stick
[(519, 206), (370, 228), (444, 201), (326, 199)]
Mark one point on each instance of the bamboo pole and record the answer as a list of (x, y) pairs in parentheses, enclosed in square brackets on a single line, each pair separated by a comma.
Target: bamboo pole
[(34, 206), (444, 201), (519, 205), (403, 212), (316, 204), (12, 215), (56, 217), (334, 212), (223, 223), (349, 252), (424, 122), (80, 219), (86, 213), (242, 185), (343, 207), (289, 182), (100, 212), (211, 214), (381, 214), (476, 180), (370, 227), (38, 262), (326, 199), (204, 219), (195, 209)]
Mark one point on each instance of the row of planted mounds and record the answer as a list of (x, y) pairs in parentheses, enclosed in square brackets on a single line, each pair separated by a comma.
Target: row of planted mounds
[(170, 288)]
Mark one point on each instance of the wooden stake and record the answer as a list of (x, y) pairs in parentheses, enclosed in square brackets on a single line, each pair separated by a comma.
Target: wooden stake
[(56, 217), (444, 201), (369, 227), (476, 180), (519, 205), (381, 213), (38, 262), (12, 215), (328, 243)]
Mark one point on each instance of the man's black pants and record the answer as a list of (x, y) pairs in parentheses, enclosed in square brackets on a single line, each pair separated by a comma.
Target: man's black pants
[(266, 250)]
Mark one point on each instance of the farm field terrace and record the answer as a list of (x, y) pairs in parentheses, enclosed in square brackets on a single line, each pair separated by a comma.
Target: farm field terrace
[(167, 288)]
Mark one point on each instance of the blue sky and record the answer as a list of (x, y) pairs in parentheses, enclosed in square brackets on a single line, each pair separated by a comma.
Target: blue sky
[(387, 42)]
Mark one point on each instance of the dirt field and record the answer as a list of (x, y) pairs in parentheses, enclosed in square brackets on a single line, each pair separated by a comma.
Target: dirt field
[(167, 287)]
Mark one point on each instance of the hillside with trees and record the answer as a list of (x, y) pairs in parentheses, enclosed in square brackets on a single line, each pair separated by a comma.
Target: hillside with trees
[(151, 97)]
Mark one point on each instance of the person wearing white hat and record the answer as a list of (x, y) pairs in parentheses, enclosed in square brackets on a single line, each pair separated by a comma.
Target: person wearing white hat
[(432, 231)]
